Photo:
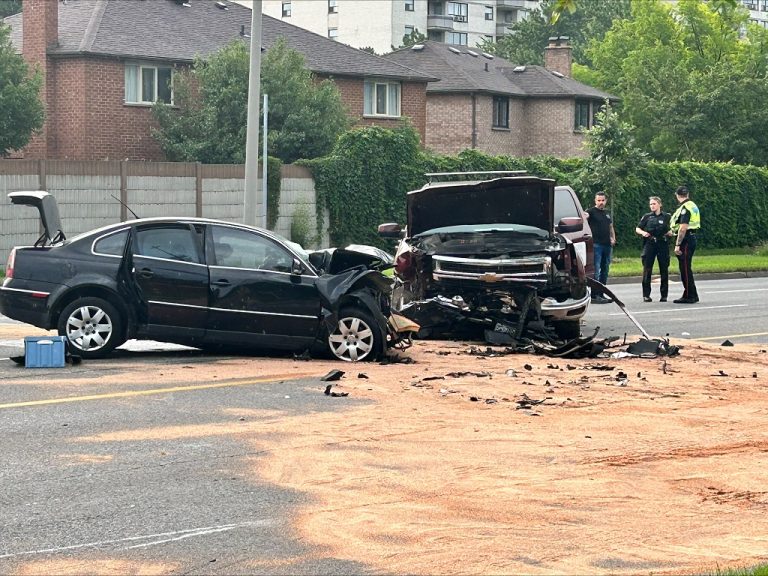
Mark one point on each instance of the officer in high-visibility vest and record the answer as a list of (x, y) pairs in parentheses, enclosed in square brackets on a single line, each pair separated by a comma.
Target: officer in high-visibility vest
[(685, 224)]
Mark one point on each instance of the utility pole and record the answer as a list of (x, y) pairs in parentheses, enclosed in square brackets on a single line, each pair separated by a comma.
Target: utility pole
[(251, 193)]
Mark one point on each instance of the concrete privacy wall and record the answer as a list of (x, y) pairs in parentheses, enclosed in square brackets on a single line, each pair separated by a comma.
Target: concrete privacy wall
[(87, 193)]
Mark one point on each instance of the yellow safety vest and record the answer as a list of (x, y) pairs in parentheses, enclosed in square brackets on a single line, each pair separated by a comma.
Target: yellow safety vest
[(693, 224)]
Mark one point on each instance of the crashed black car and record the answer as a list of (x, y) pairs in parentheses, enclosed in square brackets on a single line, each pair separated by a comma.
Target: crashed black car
[(197, 282), (492, 253)]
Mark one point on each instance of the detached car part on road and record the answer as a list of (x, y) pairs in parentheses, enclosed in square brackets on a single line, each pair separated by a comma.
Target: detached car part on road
[(198, 282), (507, 253)]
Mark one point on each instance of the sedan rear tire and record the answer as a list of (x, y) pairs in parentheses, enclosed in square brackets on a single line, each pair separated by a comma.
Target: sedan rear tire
[(356, 337), (93, 327)]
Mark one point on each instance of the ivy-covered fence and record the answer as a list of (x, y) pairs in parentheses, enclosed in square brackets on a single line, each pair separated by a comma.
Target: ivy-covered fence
[(365, 181)]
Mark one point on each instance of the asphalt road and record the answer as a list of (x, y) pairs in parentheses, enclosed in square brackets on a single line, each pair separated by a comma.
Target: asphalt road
[(733, 309), (121, 477)]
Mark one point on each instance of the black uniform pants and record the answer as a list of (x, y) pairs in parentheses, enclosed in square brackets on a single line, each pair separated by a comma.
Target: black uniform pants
[(655, 250), (684, 259)]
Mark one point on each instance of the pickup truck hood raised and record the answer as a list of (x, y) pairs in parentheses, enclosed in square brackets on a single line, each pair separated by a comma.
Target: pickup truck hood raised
[(515, 200)]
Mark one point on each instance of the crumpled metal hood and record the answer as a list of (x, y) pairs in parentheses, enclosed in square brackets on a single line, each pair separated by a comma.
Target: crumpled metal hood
[(525, 200)]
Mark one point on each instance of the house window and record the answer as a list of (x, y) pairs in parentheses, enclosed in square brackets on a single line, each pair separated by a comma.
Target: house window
[(381, 98), (489, 12), (408, 30), (585, 113), (458, 38), (333, 7), (333, 33), (458, 10), (147, 84), (500, 112), (286, 9), (409, 6)]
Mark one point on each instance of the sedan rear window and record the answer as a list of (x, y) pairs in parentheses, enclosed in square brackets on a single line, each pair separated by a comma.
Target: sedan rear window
[(167, 242), (112, 245)]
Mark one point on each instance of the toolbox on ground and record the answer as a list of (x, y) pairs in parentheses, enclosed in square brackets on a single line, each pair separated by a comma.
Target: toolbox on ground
[(44, 351)]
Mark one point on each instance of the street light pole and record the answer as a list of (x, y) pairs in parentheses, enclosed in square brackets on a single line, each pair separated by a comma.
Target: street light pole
[(251, 193)]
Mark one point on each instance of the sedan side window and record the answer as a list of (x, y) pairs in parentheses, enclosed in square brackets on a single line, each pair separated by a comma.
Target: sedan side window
[(112, 245), (242, 249), (167, 242)]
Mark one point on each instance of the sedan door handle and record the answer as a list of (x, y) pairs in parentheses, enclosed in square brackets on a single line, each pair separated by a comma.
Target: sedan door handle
[(146, 273), (221, 283)]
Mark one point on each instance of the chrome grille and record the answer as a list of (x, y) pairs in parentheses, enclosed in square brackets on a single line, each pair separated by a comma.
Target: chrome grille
[(533, 269)]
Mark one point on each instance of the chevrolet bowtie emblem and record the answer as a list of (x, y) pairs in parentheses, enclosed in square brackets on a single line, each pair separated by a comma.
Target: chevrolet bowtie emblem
[(489, 277)]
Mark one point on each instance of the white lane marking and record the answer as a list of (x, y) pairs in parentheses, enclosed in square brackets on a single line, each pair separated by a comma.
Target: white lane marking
[(734, 336), (178, 535), (656, 311), (733, 291), (201, 532)]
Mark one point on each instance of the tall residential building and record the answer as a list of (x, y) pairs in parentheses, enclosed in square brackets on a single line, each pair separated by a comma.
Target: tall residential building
[(758, 11), (382, 24)]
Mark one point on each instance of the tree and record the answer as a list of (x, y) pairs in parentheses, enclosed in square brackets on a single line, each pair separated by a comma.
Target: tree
[(688, 79), (412, 38), (21, 110), (527, 39), (209, 118), (9, 7), (614, 159)]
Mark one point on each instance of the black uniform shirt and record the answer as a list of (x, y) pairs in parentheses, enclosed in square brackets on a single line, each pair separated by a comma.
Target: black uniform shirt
[(600, 223), (658, 226)]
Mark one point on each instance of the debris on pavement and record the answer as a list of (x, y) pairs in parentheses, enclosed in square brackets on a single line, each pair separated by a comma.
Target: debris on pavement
[(332, 376), (334, 394)]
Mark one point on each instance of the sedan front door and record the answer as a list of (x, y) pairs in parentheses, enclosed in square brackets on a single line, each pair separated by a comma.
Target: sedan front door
[(257, 296)]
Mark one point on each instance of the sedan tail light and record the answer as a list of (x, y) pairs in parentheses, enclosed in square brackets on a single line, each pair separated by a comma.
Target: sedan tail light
[(9, 265)]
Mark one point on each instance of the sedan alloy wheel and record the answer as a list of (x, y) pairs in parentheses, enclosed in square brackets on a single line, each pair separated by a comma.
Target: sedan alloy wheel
[(355, 337)]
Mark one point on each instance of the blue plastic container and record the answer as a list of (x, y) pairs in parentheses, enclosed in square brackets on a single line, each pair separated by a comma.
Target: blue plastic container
[(44, 351)]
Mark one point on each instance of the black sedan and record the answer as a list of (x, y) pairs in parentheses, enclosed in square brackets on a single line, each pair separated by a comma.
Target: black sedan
[(193, 281)]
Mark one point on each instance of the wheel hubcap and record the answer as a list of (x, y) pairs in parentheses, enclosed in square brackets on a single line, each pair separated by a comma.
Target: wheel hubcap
[(352, 340), (89, 328)]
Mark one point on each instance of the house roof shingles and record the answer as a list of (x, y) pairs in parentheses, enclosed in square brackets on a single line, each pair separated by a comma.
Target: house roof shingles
[(462, 69), (167, 30)]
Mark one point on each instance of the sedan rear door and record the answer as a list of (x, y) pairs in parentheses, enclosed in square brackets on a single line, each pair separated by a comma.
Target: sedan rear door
[(171, 280)]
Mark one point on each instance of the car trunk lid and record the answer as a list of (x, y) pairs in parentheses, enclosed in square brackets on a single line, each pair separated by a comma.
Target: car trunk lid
[(49, 214)]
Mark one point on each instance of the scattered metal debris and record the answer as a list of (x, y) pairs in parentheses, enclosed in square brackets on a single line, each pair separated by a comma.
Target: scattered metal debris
[(332, 376), (727, 343), (334, 394)]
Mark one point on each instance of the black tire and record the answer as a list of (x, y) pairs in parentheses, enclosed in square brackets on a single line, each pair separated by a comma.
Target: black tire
[(568, 330), (356, 337), (93, 327)]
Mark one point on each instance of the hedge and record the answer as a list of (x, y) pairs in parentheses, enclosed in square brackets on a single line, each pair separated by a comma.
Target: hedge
[(365, 180)]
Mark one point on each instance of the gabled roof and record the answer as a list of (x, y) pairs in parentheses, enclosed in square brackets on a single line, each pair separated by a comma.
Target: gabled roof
[(168, 30), (462, 69)]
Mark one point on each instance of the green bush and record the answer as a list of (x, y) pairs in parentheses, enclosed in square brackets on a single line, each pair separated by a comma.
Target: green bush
[(365, 181), (274, 183)]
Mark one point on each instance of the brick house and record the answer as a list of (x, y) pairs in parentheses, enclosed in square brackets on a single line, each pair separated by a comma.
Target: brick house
[(487, 103), (105, 62)]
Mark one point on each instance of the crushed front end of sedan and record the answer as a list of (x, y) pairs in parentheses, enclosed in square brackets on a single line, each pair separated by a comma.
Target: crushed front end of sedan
[(488, 255)]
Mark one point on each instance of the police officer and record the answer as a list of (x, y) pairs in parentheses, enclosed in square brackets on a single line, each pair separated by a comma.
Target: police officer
[(685, 224), (654, 228)]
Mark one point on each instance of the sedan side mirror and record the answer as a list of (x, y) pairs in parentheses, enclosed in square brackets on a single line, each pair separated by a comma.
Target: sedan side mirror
[(390, 230), (297, 268), (570, 224)]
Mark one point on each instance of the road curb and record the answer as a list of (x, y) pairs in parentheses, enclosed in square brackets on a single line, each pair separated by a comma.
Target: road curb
[(701, 276)]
